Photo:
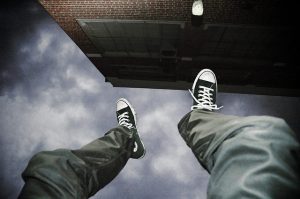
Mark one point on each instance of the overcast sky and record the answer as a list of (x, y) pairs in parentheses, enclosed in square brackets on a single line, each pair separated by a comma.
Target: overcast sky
[(52, 96)]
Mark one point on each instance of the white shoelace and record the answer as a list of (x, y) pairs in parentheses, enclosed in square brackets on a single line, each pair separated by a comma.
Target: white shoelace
[(124, 120), (205, 101)]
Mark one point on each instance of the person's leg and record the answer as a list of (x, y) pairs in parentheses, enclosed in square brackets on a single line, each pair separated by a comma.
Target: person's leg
[(247, 157), (81, 173), (251, 157)]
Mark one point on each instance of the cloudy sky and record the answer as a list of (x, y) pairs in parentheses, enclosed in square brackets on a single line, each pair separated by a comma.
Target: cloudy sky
[(52, 96)]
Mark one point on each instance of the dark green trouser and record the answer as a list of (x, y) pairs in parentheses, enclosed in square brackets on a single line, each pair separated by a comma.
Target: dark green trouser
[(247, 157), (67, 174), (250, 157)]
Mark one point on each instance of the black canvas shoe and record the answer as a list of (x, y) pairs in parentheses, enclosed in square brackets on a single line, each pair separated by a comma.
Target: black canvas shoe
[(126, 116), (204, 91)]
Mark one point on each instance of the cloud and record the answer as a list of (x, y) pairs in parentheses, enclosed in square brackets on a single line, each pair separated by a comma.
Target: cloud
[(19, 20), (44, 42)]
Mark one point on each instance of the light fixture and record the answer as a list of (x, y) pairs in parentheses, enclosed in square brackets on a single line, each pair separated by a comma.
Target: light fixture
[(197, 8)]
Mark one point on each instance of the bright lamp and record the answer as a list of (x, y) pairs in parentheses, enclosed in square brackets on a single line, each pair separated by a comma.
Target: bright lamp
[(197, 8)]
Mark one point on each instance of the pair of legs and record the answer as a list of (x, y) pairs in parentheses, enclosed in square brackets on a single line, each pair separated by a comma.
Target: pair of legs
[(247, 157)]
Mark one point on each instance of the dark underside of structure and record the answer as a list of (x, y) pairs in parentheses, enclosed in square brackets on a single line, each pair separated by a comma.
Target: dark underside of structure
[(251, 45)]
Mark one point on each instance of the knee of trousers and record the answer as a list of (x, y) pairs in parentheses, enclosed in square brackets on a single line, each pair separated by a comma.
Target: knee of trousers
[(268, 127), (271, 134)]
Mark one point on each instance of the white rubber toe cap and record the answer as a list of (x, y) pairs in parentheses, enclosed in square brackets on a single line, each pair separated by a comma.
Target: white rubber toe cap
[(121, 104), (208, 75)]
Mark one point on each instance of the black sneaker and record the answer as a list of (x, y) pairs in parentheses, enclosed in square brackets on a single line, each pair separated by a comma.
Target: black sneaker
[(204, 91), (126, 116)]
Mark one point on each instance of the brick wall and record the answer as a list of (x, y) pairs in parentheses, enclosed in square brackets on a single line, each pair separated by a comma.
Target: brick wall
[(65, 12)]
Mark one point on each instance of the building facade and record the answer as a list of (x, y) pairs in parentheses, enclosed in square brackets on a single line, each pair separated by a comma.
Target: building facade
[(251, 45)]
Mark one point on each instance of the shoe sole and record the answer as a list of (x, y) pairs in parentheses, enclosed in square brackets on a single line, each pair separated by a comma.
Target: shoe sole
[(134, 116), (198, 76)]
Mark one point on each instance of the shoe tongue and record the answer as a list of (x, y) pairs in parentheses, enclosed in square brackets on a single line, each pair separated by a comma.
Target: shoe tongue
[(128, 110), (121, 111), (205, 84)]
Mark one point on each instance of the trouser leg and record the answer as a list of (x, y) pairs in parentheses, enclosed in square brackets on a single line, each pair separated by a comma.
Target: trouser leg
[(78, 173), (247, 157)]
